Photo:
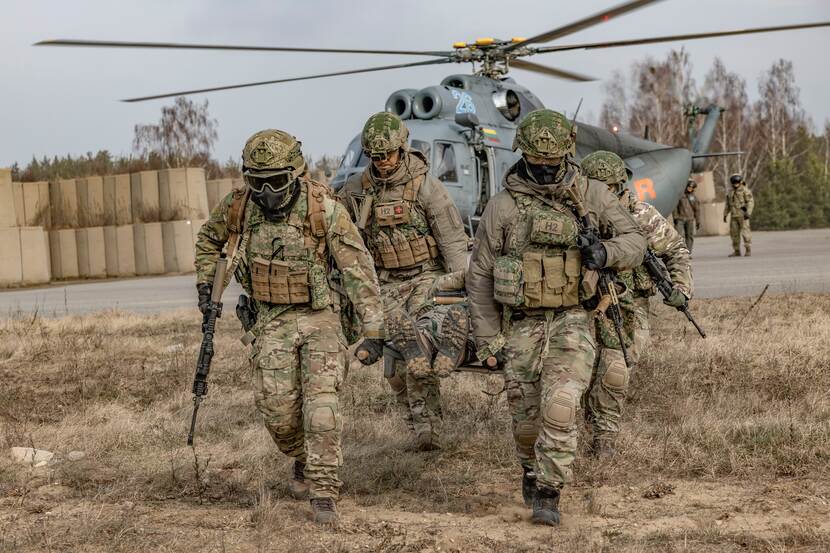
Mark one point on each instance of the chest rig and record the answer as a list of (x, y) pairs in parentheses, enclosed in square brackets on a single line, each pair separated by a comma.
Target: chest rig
[(542, 264), (288, 258), (398, 234)]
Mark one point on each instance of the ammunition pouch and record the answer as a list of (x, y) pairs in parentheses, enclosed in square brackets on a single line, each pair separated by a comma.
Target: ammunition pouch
[(396, 249), (546, 278), (290, 282)]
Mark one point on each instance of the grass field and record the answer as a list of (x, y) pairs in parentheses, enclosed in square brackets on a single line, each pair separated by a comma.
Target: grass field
[(725, 447)]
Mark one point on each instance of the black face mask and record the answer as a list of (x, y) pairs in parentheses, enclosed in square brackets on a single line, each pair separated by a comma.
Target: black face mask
[(275, 204), (542, 174)]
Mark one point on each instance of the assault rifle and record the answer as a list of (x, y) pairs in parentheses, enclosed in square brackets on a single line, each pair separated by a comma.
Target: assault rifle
[(213, 312), (664, 284), (609, 303)]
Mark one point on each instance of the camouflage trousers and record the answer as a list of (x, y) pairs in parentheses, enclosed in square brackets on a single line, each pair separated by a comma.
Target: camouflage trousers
[(299, 362), (419, 396), (548, 368), (609, 383), (686, 229), (739, 228)]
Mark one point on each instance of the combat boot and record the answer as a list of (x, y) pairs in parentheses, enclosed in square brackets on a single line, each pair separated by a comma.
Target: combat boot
[(407, 341), (452, 341), (603, 448), (297, 486), (747, 251), (546, 506), (736, 253), (528, 486), (324, 510)]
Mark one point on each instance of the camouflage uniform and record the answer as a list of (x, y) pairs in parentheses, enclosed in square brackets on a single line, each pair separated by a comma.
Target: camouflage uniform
[(414, 232), (687, 215), (525, 262), (739, 206), (609, 383), (298, 356)]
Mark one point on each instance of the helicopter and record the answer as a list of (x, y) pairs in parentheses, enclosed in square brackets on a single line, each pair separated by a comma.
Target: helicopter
[(465, 125)]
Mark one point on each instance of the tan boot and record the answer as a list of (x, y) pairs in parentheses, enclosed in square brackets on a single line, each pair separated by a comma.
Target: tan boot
[(297, 486), (324, 509), (747, 250)]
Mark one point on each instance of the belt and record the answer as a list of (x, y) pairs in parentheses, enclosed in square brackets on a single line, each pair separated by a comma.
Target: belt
[(519, 314)]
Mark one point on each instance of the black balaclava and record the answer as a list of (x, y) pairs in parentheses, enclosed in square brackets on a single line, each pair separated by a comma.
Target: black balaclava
[(544, 175), (275, 203)]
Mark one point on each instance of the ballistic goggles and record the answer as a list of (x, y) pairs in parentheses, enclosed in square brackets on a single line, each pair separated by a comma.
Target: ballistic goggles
[(275, 182)]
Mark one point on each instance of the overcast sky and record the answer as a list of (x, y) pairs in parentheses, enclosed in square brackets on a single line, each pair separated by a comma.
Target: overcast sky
[(65, 100)]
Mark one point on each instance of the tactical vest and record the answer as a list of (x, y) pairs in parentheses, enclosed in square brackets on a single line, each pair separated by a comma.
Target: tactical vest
[(542, 265), (637, 280), (287, 259), (398, 234)]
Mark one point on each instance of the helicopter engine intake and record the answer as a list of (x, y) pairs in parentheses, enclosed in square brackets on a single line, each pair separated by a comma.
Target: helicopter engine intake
[(428, 103), (400, 103)]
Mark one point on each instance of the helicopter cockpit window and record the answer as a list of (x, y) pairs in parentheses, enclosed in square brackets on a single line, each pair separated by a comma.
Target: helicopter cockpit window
[(445, 167), (354, 156), (421, 146)]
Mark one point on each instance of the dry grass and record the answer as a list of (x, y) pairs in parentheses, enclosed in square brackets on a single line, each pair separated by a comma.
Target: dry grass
[(737, 425)]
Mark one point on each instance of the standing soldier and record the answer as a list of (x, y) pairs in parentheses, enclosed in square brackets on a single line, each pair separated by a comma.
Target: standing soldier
[(609, 383), (282, 245), (687, 215), (739, 205), (527, 278), (415, 234)]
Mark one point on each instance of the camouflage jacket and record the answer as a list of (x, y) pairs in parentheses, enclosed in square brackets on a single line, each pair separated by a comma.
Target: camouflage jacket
[(342, 247), (664, 241), (625, 250), (737, 200), (688, 208), (433, 206)]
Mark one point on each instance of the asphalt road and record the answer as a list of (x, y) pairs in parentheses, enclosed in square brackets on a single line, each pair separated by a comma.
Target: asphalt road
[(791, 261)]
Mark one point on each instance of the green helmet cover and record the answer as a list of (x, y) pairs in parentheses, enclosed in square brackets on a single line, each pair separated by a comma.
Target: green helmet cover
[(607, 167), (545, 134), (383, 132), (270, 152)]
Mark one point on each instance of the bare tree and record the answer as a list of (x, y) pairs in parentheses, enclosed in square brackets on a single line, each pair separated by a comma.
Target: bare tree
[(779, 110), (184, 135)]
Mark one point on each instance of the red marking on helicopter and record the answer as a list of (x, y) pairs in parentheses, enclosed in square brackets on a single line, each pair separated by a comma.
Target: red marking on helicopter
[(645, 187)]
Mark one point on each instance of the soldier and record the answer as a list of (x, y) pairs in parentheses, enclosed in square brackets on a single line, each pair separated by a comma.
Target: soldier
[(415, 233), (611, 377), (687, 215), (739, 204), (526, 281), (281, 246)]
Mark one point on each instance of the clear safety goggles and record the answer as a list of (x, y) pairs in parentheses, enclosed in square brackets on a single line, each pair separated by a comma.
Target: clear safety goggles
[(276, 183)]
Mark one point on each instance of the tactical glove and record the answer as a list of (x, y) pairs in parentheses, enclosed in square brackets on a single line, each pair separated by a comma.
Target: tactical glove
[(594, 256), (369, 351), (677, 299), (204, 290)]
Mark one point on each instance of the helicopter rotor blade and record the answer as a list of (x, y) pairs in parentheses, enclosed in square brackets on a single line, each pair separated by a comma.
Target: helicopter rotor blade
[(231, 47), (584, 23), (550, 71), (691, 36), (290, 79)]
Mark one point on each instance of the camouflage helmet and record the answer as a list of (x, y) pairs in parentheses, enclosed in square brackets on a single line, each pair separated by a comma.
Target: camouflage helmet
[(691, 184), (383, 132), (271, 152), (736, 179), (607, 167), (545, 134)]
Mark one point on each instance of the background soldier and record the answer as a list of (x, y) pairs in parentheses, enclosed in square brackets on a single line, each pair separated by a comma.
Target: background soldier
[(281, 246), (609, 383), (687, 215), (415, 233), (526, 281), (739, 205)]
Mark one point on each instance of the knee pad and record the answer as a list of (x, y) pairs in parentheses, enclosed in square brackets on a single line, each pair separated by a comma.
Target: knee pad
[(560, 408), (322, 413), (527, 432), (616, 377)]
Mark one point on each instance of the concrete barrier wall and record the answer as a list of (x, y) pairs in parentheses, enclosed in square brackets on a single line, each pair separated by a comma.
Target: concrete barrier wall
[(182, 194), (11, 267), (149, 248), (19, 212), (63, 249), (92, 257), (119, 244), (711, 220), (178, 246), (8, 217), (217, 190), (144, 196), (705, 191), (35, 255), (63, 199), (36, 204), (91, 201)]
